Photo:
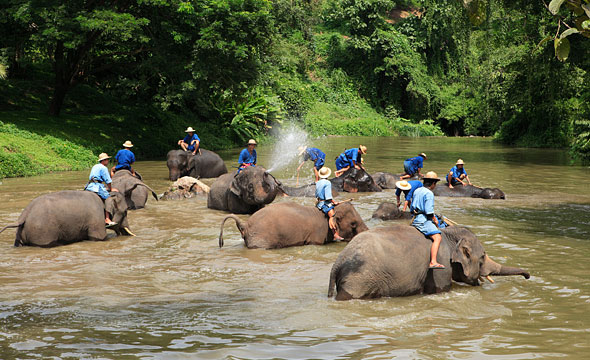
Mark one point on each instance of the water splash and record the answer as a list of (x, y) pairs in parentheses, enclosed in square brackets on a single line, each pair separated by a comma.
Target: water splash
[(288, 139)]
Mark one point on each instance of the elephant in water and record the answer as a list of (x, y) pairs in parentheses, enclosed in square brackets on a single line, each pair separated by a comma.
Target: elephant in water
[(390, 211), (387, 180), (135, 191), (205, 164), (468, 191), (243, 193), (353, 180), (393, 261), (289, 224), (69, 216)]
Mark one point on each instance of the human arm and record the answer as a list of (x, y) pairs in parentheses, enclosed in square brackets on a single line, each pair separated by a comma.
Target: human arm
[(406, 204)]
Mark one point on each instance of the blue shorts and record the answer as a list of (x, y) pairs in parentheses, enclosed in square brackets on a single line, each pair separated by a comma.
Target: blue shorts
[(325, 208), (408, 168), (102, 192), (455, 181), (341, 163), (319, 163), (425, 227)]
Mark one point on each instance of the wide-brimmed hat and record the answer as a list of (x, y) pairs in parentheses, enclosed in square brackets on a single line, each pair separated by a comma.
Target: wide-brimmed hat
[(251, 142), (127, 144), (431, 175), (423, 155), (103, 156), (403, 185), (301, 150), (363, 149), (325, 172), (189, 129), (460, 162)]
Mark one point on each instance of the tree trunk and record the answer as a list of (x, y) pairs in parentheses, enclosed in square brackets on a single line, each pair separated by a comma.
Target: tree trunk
[(59, 95)]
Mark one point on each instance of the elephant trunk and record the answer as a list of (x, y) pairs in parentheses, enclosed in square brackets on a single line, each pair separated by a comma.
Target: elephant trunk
[(491, 267), (239, 223)]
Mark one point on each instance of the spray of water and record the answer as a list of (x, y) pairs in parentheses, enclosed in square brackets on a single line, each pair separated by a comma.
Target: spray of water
[(288, 139)]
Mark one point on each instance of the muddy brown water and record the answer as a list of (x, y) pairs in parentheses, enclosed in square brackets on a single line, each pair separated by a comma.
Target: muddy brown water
[(171, 293)]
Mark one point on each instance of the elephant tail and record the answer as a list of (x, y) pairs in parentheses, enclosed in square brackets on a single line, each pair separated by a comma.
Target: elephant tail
[(239, 223), (12, 226)]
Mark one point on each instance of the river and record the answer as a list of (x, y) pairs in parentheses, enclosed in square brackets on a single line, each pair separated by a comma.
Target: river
[(171, 293)]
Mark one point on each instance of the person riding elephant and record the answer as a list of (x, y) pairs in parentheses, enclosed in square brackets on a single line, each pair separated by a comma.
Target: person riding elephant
[(394, 261), (125, 158), (205, 164), (314, 154), (243, 193), (412, 166), (248, 156), (350, 158), (353, 180), (458, 175), (136, 192), (69, 216), (289, 224), (469, 191), (325, 202), (191, 141), (408, 188), (99, 174)]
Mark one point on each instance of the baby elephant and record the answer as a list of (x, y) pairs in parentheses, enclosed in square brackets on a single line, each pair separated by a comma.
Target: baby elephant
[(288, 224)]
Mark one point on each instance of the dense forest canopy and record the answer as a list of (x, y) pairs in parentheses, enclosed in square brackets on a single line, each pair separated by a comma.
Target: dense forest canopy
[(517, 70)]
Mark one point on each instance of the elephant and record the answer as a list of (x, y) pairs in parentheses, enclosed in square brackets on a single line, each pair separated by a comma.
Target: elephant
[(353, 180), (135, 190), (394, 261), (243, 193), (289, 224), (184, 188), (387, 180), (69, 216), (205, 164), (468, 191), (390, 211)]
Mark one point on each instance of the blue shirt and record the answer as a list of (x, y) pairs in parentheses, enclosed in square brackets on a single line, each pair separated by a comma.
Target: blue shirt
[(313, 154), (188, 139), (409, 193), (353, 155), (100, 173), (323, 190), (422, 203), (247, 158), (457, 172), (124, 159), (416, 163)]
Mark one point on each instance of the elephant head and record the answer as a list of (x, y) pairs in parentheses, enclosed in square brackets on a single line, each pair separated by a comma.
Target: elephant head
[(489, 193), (255, 186), (348, 221), (469, 260), (178, 162), (355, 180), (116, 206)]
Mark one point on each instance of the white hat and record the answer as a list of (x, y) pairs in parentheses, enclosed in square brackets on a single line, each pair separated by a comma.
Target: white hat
[(460, 162), (403, 185), (432, 176), (189, 129), (103, 156), (325, 172), (127, 144), (363, 149), (423, 155), (251, 142), (301, 150)]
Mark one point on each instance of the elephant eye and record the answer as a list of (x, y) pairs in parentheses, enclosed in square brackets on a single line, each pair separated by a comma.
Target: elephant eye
[(466, 252)]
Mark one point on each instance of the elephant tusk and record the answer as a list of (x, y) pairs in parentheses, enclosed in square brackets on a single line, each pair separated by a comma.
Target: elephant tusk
[(489, 278), (129, 231)]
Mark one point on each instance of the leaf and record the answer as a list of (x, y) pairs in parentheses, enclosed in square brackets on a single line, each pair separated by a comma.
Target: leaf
[(562, 49), (547, 38), (586, 25), (586, 8), (568, 32), (554, 6)]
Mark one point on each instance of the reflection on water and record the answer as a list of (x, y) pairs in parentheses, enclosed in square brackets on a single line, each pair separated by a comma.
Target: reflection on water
[(172, 293)]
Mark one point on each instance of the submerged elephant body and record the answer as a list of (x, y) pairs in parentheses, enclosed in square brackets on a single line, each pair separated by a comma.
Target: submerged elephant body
[(205, 164), (289, 224), (468, 191), (135, 190), (390, 211), (69, 216), (386, 180), (394, 261), (353, 180), (243, 193)]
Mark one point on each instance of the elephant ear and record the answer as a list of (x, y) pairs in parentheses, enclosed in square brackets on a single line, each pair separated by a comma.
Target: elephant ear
[(461, 254), (234, 187), (110, 205)]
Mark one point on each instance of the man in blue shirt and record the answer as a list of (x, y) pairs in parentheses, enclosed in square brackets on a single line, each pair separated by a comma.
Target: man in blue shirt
[(325, 203), (350, 158), (408, 188), (457, 175), (425, 221), (314, 154), (247, 156), (413, 165), (99, 175), (125, 159), (190, 142)]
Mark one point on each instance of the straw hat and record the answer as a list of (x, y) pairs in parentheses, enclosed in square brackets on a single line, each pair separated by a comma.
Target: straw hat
[(325, 172), (460, 162), (423, 155), (251, 142), (403, 185), (363, 149), (128, 144), (103, 156), (432, 176), (189, 129), (301, 150)]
